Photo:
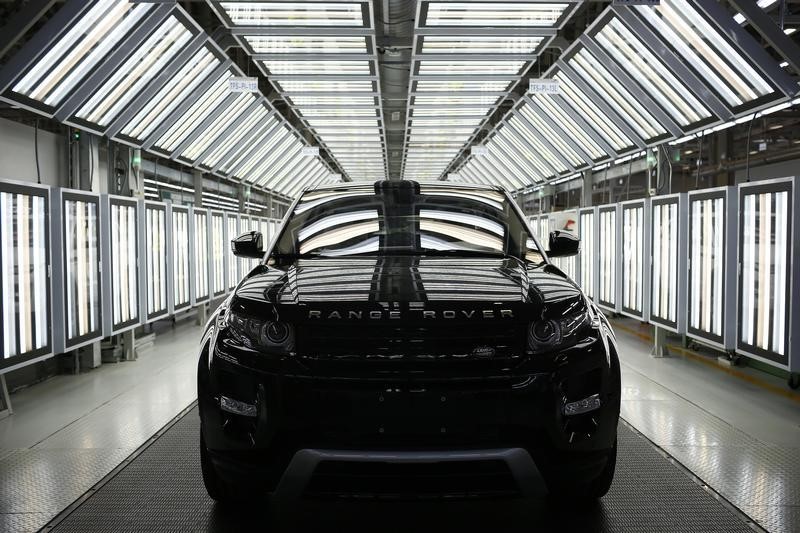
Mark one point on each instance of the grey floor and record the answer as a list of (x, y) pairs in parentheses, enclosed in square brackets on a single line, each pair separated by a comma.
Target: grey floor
[(649, 494), (740, 439), (69, 432)]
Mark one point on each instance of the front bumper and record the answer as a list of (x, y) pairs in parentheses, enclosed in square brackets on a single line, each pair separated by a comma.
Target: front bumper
[(302, 419)]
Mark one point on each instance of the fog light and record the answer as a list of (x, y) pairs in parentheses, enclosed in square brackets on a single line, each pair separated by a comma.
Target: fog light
[(582, 406), (236, 407)]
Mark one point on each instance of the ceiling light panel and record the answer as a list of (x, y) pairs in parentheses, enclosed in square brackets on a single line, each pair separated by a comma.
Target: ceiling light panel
[(194, 116), (306, 44), (502, 14), (327, 86), (240, 153), (314, 114), (466, 57), (704, 48), (550, 108), (439, 44), (337, 14), (302, 64), (136, 72), (232, 112), (533, 139), (641, 64), (237, 138), (454, 86), (544, 129), (433, 112), (618, 97), (176, 90), (281, 67), (477, 67), (584, 106), (72, 57)]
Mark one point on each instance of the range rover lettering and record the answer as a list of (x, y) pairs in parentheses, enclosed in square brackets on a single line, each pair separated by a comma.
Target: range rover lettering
[(405, 340)]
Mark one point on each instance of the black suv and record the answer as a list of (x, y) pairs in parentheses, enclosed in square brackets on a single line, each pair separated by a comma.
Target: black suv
[(407, 340)]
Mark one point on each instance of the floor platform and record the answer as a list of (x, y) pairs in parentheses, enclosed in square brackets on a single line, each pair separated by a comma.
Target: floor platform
[(160, 489)]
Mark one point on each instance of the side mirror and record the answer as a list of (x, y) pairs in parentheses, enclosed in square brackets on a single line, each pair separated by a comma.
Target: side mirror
[(250, 244), (563, 244)]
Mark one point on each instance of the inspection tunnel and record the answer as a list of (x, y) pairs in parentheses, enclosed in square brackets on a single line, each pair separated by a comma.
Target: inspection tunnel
[(503, 265)]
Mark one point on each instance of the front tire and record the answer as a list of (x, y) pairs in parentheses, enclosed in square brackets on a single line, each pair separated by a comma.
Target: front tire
[(224, 493), (215, 486), (587, 494)]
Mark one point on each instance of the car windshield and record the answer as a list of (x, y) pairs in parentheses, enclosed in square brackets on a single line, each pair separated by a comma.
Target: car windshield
[(401, 218)]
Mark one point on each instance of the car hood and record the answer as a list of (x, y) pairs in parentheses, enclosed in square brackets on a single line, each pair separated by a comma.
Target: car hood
[(403, 287)]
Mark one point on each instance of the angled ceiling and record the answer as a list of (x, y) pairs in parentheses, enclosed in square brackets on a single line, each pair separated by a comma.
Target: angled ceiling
[(401, 89), (147, 75), (638, 76), (322, 58)]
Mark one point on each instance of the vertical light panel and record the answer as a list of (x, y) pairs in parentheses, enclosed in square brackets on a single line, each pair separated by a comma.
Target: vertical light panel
[(588, 254), (201, 288), (155, 246), (633, 245), (245, 265), (124, 262), (707, 277), (25, 287), (233, 231), (181, 278), (765, 237), (81, 276), (543, 228), (607, 253), (665, 261), (218, 252), (266, 232)]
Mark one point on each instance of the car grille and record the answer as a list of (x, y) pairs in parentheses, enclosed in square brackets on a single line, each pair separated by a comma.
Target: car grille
[(466, 341)]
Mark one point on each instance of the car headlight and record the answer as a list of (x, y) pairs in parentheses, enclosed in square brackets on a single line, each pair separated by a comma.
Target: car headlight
[(258, 334), (549, 335)]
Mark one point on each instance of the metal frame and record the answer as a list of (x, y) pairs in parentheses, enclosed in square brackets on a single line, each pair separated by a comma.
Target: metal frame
[(680, 199), (108, 243), (146, 248), (791, 361), (61, 341), (582, 260), (231, 277), (212, 271), (727, 338), (171, 247), (9, 363), (616, 259), (644, 313), (194, 257)]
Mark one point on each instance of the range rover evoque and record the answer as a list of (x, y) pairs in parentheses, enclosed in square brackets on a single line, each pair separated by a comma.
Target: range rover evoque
[(401, 339)]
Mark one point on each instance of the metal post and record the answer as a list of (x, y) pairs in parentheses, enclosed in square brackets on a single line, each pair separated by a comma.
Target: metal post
[(659, 343), (5, 408), (202, 309), (586, 189), (128, 346)]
